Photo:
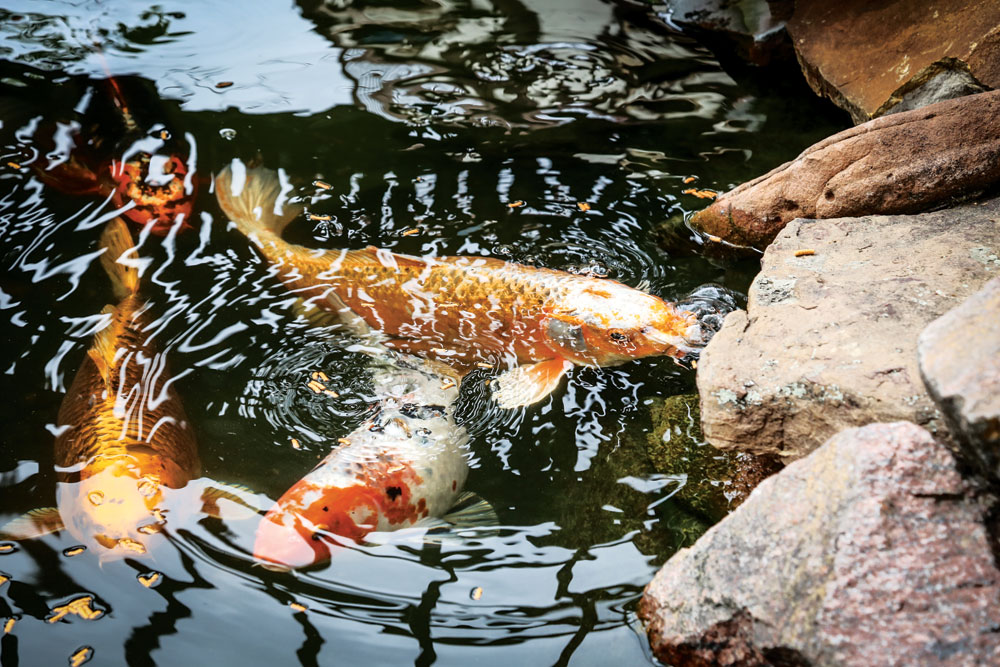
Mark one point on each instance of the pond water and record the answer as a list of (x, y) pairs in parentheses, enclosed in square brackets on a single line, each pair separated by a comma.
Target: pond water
[(427, 115)]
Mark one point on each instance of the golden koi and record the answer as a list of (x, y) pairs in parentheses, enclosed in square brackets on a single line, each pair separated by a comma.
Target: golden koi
[(123, 435), (538, 322), (404, 466)]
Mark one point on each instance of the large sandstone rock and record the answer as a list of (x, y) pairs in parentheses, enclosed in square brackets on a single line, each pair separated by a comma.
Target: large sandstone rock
[(829, 340), (875, 57), (903, 163), (960, 364), (868, 552)]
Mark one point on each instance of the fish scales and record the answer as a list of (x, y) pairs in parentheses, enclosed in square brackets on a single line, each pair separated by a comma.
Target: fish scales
[(109, 419)]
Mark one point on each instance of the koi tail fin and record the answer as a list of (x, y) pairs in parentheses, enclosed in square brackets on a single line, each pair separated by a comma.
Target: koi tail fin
[(253, 198), (123, 271)]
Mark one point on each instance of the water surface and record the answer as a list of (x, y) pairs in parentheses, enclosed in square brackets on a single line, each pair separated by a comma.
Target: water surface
[(433, 115)]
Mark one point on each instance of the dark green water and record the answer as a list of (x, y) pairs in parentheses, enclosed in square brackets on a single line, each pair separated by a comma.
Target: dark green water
[(429, 114)]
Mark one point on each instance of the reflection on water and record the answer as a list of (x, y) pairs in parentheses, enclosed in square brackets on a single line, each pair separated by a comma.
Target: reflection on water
[(558, 134)]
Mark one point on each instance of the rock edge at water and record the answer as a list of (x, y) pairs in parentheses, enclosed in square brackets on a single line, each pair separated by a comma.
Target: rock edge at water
[(869, 551)]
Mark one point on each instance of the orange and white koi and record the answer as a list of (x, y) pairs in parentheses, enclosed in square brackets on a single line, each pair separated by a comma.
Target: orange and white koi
[(463, 310), (405, 466)]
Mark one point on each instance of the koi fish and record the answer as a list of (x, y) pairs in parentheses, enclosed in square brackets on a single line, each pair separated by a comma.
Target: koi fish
[(403, 467), (150, 188), (463, 310), (123, 440)]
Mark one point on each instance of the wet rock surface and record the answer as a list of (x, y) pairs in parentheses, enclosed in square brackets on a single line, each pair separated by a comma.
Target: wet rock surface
[(875, 58), (869, 551), (960, 363), (903, 163), (829, 339)]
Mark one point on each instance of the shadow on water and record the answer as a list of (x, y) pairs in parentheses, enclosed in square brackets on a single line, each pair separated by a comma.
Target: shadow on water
[(554, 133)]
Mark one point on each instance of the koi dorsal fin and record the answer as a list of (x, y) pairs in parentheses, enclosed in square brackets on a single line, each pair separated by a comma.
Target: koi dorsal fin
[(105, 346), (374, 255), (122, 270)]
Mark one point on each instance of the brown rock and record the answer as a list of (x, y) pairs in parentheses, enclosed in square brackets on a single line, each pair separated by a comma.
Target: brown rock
[(960, 363), (829, 339), (903, 163), (869, 57), (868, 552)]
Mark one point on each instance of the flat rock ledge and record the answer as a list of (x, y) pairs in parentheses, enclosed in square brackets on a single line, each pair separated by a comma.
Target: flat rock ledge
[(960, 362), (871, 551), (829, 339), (903, 163)]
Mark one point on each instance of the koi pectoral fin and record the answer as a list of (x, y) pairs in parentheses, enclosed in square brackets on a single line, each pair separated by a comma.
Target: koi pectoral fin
[(524, 385), (34, 524), (230, 502)]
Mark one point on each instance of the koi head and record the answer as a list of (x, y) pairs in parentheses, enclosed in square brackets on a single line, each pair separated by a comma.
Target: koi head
[(608, 323), (298, 530), (158, 186), (115, 511), (343, 497)]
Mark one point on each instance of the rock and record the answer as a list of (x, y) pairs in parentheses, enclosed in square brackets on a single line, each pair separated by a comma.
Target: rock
[(903, 163), (870, 551), (828, 341), (751, 30), (871, 58), (715, 481), (960, 362)]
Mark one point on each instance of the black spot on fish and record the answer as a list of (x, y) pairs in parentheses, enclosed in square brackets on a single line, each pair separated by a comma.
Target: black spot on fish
[(326, 509), (393, 492)]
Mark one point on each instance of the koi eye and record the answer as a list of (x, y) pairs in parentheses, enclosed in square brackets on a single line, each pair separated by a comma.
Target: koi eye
[(618, 337)]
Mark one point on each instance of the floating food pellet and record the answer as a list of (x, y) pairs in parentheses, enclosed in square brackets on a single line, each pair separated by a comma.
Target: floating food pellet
[(95, 497), (583, 206), (316, 386), (323, 376), (298, 606), (344, 441), (411, 231), (164, 135), (150, 579), (13, 165), (7, 548), (80, 656), (132, 545), (476, 593), (486, 383), (483, 364), (295, 444), (80, 607), (322, 185), (689, 179), (516, 204), (694, 363), (447, 384), (320, 218), (805, 253), (223, 84), (331, 393), (4, 578), (9, 625), (713, 238), (74, 551), (149, 528), (701, 194)]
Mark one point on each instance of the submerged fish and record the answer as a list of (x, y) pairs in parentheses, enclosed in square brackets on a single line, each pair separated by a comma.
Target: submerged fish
[(464, 310), (405, 466), (124, 440)]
